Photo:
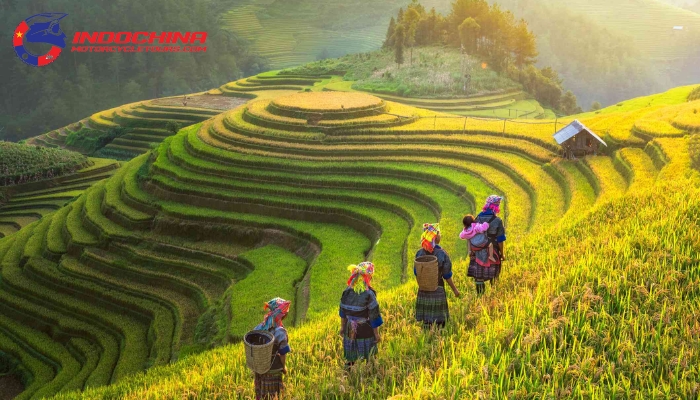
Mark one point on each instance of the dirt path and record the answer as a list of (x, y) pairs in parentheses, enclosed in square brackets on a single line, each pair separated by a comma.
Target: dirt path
[(10, 387), (215, 102)]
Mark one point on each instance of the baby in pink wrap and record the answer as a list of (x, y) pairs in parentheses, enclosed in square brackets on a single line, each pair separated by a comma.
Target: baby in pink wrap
[(476, 234)]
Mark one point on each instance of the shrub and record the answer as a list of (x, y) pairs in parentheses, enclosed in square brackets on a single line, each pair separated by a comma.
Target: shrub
[(21, 163), (89, 140), (173, 127), (695, 94)]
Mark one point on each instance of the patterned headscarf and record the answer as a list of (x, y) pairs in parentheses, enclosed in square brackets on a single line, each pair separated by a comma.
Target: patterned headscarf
[(278, 308), (361, 273), (493, 203), (430, 232)]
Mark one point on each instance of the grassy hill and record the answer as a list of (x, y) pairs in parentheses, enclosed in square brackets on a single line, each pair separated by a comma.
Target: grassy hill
[(166, 258), (489, 95)]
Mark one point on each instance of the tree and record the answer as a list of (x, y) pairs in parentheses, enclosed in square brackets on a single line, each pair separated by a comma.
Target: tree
[(550, 73), (569, 103), (389, 41), (323, 55), (469, 33), (132, 92), (463, 9), (524, 45), (398, 44), (85, 87), (116, 61), (595, 106), (410, 22), (427, 31)]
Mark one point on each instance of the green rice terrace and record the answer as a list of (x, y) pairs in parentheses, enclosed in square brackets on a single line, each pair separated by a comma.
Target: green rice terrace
[(174, 254), (35, 181), (127, 131), (143, 124)]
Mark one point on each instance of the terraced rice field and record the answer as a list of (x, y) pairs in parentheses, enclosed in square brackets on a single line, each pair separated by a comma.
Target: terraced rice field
[(509, 105), (167, 256), (292, 40), (30, 202), (146, 124), (134, 272), (649, 24)]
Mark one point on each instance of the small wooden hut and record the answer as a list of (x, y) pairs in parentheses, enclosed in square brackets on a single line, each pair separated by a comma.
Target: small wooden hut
[(576, 139)]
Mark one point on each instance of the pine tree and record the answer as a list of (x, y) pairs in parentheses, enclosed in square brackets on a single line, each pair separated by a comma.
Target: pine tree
[(524, 45), (569, 103), (399, 38), (389, 41), (410, 22), (468, 34)]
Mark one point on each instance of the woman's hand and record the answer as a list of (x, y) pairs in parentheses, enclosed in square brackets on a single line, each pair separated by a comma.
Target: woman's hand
[(453, 287), (284, 370), (458, 294), (341, 333), (378, 338)]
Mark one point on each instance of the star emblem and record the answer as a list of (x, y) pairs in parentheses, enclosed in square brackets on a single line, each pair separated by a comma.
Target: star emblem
[(19, 34), (49, 57)]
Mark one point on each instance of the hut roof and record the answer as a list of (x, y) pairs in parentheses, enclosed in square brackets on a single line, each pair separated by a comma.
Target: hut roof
[(573, 129)]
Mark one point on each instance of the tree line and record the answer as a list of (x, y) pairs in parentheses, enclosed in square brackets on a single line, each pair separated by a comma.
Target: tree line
[(487, 32), (36, 100)]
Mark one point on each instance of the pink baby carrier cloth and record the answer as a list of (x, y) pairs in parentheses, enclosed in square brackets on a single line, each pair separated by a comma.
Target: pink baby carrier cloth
[(478, 242)]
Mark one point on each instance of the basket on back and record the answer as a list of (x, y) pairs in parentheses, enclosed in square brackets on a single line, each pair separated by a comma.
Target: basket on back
[(258, 350), (427, 273)]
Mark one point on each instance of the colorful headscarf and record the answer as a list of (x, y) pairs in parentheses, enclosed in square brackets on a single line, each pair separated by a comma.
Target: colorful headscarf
[(361, 273), (493, 203), (430, 232), (278, 308)]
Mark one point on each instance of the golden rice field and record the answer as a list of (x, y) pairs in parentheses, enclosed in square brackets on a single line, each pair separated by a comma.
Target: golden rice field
[(142, 287), (327, 101)]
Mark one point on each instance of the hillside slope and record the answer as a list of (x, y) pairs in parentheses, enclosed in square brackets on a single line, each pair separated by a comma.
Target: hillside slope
[(614, 321), (167, 257), (295, 32), (649, 24), (643, 54)]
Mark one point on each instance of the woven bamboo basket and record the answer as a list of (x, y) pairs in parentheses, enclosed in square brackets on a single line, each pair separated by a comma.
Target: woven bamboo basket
[(258, 350), (427, 273)]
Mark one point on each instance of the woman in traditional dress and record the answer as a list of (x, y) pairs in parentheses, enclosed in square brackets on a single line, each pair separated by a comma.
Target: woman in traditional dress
[(496, 234), (269, 385), (431, 307), (359, 315)]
